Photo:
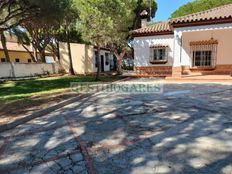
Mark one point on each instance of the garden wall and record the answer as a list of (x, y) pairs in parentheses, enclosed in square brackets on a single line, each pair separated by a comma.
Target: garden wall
[(17, 70)]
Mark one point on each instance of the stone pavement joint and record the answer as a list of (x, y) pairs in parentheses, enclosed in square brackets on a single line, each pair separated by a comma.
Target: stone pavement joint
[(84, 151), (130, 134), (35, 163)]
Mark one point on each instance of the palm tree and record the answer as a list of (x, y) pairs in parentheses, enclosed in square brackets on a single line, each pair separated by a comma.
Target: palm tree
[(4, 46)]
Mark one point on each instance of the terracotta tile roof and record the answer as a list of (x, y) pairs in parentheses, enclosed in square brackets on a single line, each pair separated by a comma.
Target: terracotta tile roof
[(219, 13), (157, 28)]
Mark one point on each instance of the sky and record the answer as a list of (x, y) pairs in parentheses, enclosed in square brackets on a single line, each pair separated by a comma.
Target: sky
[(167, 7)]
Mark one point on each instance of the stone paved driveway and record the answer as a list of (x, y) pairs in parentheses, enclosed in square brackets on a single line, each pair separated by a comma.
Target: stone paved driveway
[(185, 130)]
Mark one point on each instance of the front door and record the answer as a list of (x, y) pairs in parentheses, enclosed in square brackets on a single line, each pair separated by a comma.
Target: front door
[(102, 63)]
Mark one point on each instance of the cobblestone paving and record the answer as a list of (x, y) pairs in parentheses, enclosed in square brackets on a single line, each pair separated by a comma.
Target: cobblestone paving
[(185, 130), (44, 145)]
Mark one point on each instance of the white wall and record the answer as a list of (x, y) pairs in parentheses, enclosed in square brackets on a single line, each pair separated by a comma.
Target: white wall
[(224, 38), (142, 49), (83, 58), (27, 70), (106, 67), (220, 32)]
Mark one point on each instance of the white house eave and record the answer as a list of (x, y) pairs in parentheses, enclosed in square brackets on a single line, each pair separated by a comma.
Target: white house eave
[(203, 28), (153, 36)]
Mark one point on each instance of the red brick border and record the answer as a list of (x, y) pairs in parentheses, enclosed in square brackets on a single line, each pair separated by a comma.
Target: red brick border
[(89, 163)]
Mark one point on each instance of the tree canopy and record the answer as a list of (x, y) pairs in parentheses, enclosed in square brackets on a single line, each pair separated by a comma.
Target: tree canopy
[(43, 27), (106, 22), (40, 22), (149, 5), (101, 23), (13, 12), (197, 6)]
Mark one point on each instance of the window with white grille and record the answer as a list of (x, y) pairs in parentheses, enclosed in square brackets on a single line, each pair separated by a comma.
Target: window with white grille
[(158, 54), (204, 53)]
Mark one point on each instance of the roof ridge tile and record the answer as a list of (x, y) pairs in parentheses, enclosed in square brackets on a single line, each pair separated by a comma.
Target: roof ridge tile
[(218, 14), (183, 18), (223, 11)]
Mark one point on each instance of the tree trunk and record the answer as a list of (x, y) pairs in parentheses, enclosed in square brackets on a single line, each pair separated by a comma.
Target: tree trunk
[(98, 63), (42, 53), (43, 56), (5, 50), (119, 61), (71, 70), (36, 54), (58, 50), (3, 41), (119, 67), (35, 51), (31, 54)]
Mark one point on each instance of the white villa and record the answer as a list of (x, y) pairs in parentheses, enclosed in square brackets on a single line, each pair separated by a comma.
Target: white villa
[(196, 44)]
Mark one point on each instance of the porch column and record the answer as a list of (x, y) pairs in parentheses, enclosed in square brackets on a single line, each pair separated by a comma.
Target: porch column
[(176, 70)]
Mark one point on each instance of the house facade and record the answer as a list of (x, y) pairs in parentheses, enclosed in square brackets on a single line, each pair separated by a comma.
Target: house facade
[(21, 64), (20, 54), (196, 44), (84, 58)]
